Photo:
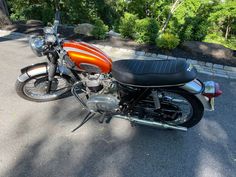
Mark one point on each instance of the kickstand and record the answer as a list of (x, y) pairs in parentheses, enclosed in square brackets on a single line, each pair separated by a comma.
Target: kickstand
[(86, 119)]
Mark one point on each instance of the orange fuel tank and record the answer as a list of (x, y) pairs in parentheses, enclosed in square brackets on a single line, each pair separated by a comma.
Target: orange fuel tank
[(87, 56)]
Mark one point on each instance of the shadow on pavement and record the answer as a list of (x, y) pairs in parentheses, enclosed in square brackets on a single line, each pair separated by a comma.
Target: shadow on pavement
[(117, 149)]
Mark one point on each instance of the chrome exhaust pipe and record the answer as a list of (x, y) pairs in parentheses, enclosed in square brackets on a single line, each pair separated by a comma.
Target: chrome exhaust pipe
[(150, 123)]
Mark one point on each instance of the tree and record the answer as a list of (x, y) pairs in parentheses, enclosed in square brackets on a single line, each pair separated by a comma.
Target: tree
[(175, 5), (4, 20), (3, 7), (224, 15)]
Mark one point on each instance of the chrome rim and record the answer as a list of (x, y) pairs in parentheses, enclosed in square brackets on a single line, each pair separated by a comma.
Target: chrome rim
[(184, 107), (36, 87)]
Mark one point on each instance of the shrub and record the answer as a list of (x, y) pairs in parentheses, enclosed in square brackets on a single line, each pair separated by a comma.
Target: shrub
[(186, 33), (200, 31), (127, 25), (167, 41), (49, 17), (217, 38), (116, 26), (26, 11), (146, 30), (100, 29), (214, 38)]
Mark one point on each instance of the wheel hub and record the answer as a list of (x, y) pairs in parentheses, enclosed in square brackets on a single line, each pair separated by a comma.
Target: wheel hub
[(168, 112), (42, 84)]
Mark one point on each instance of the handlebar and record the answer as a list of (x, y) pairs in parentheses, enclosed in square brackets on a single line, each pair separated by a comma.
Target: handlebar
[(57, 21), (58, 16)]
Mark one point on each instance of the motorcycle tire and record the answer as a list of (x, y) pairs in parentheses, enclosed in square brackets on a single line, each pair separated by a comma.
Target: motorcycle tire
[(197, 107), (197, 110)]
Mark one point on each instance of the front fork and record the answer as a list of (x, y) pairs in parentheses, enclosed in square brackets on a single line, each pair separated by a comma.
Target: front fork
[(52, 68)]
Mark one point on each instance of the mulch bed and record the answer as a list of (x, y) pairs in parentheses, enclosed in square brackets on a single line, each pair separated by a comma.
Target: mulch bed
[(36, 28)]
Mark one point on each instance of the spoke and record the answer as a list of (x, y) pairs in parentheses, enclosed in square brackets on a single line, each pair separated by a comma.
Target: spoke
[(172, 104), (168, 110), (57, 90), (30, 89), (60, 87)]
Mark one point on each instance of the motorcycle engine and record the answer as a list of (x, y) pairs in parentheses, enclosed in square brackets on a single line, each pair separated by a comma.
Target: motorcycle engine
[(102, 93), (93, 82), (103, 103)]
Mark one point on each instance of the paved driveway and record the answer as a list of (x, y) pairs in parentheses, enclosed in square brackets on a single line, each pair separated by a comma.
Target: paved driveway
[(36, 138)]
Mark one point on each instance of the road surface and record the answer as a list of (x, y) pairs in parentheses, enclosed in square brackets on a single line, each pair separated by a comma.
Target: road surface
[(36, 138)]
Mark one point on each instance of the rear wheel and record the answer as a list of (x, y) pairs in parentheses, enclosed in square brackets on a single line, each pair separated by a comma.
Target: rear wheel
[(177, 108), (35, 88)]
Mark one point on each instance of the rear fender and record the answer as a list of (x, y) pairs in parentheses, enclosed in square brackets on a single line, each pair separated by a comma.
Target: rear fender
[(205, 102), (196, 87), (38, 69)]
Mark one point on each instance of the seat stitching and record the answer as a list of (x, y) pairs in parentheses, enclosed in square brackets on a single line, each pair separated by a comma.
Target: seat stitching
[(135, 62), (175, 68), (136, 66), (153, 66), (131, 65), (160, 66), (164, 71), (140, 64), (170, 67), (142, 67)]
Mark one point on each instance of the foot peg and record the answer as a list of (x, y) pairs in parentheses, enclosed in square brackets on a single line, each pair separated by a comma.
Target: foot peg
[(102, 118), (108, 120), (106, 117)]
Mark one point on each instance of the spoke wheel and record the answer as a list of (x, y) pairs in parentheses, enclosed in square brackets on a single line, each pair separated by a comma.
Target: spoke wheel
[(36, 88), (177, 108)]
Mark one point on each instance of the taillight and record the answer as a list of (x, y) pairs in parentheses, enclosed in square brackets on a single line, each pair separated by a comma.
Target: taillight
[(212, 89)]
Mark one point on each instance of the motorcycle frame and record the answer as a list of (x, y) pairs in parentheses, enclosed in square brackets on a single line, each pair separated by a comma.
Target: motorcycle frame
[(194, 87)]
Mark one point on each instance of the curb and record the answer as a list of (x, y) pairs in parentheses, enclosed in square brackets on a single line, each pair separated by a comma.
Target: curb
[(13, 35), (201, 66), (114, 52)]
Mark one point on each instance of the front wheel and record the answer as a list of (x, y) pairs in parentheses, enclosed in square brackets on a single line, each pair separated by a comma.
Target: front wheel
[(35, 88), (178, 108)]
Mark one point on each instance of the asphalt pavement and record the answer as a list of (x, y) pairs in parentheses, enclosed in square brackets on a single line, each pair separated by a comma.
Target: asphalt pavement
[(36, 138)]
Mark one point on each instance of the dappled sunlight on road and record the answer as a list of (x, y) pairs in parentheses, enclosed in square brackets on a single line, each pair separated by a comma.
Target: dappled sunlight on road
[(213, 131), (208, 165), (115, 162), (121, 129), (36, 138)]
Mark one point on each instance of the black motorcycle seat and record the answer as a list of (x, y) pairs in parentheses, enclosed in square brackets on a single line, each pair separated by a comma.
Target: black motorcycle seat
[(153, 72)]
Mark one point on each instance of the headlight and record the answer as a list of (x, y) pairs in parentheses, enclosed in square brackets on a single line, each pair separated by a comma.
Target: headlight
[(37, 45)]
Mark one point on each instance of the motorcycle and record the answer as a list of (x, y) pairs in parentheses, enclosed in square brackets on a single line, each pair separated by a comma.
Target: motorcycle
[(157, 93)]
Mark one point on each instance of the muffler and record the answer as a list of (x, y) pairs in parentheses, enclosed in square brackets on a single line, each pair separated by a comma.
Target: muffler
[(150, 123)]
